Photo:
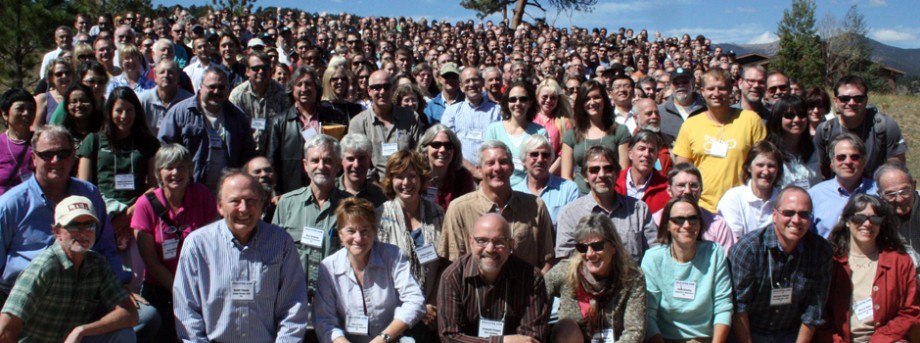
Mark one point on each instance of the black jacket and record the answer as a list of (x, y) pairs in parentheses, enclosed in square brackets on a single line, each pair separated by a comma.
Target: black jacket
[(285, 146)]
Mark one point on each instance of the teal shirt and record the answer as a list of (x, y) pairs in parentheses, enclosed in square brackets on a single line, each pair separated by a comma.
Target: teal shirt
[(678, 318), (497, 131), (298, 209)]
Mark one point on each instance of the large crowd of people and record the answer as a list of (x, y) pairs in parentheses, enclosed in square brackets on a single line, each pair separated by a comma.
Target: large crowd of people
[(286, 177)]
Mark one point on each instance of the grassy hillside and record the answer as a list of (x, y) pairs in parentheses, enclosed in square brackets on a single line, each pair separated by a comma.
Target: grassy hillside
[(906, 110)]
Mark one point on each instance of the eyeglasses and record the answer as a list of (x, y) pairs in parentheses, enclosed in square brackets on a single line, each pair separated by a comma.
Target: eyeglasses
[(62, 73), (859, 219), (791, 213), (597, 169), (596, 246), (894, 195), (535, 154), (571, 90), (263, 67), (85, 57), (338, 79), (516, 99), (778, 88), (76, 227), (679, 221), (691, 186), (498, 243), (47, 155), (353, 42), (380, 87), (843, 157), (754, 82), (846, 98), (791, 115), (439, 145)]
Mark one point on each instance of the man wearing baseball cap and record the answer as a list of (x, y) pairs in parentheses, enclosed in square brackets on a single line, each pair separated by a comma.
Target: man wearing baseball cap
[(683, 103), (62, 292), (449, 78)]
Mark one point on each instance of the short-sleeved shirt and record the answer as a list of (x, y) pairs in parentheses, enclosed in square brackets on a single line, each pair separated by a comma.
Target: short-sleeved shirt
[(620, 137), (557, 193), (53, 297), (405, 133), (699, 140), (14, 151), (470, 122), (130, 156), (497, 131), (199, 208), (155, 109), (260, 109)]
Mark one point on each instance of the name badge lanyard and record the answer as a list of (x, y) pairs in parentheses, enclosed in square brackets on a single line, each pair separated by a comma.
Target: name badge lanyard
[(798, 263), (130, 160), (504, 310)]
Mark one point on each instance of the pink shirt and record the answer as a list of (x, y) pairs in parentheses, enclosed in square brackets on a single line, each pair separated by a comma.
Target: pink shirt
[(199, 208), (552, 130), (9, 153)]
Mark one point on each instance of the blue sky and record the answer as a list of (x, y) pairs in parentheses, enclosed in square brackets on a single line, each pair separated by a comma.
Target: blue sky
[(892, 22)]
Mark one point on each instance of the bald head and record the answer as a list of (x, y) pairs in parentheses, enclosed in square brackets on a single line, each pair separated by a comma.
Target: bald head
[(492, 222), (647, 115)]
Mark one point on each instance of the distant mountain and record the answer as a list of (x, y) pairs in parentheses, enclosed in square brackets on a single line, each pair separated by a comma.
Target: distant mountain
[(906, 60)]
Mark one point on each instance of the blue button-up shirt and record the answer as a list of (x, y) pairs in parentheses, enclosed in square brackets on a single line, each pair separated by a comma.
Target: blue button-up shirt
[(469, 122), (435, 108), (829, 198), (557, 193), (26, 218), (212, 260)]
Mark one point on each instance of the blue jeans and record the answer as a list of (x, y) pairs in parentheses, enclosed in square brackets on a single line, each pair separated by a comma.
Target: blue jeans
[(118, 336), (148, 323)]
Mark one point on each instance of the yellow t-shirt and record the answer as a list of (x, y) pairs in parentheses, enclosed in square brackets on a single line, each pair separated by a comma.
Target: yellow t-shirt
[(701, 139)]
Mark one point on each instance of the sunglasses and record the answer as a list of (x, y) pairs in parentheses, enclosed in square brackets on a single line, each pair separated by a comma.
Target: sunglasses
[(571, 89), (791, 213), (679, 221), (777, 88), (76, 227), (380, 87), (597, 169), (596, 246), (47, 155), (535, 154), (439, 145), (337, 79), (263, 67), (846, 98), (859, 219), (843, 157), (791, 115), (516, 99)]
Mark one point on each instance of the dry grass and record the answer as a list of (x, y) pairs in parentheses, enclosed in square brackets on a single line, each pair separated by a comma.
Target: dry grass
[(906, 110)]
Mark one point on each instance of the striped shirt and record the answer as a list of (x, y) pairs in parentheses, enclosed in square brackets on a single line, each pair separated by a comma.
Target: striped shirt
[(518, 295), (215, 268)]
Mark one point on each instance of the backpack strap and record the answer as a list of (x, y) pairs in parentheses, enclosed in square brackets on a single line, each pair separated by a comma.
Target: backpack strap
[(159, 208)]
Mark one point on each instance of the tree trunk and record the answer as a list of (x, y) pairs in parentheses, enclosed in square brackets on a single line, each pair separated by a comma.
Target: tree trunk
[(518, 13)]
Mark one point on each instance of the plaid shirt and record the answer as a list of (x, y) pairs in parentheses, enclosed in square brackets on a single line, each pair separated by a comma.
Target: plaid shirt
[(807, 270), (52, 297)]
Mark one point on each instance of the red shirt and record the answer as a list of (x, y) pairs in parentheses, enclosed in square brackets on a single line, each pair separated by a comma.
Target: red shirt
[(656, 195)]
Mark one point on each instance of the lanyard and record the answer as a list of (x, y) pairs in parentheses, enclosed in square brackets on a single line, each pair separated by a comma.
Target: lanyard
[(798, 263), (115, 157), (504, 311)]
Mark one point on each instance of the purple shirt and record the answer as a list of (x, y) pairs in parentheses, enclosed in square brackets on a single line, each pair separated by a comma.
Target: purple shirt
[(10, 152)]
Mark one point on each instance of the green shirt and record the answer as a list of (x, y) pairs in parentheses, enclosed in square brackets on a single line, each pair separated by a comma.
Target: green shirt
[(298, 209), (578, 150), (131, 156), (52, 296)]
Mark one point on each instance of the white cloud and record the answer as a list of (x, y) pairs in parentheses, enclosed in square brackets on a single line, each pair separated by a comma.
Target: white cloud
[(764, 38), (878, 3), (737, 34), (887, 35)]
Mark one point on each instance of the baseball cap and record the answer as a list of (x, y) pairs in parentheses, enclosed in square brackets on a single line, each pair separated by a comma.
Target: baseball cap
[(255, 42), (680, 72), (73, 207), (449, 68)]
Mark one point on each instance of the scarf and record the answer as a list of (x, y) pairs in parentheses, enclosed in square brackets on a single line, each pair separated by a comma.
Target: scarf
[(596, 293), (393, 229)]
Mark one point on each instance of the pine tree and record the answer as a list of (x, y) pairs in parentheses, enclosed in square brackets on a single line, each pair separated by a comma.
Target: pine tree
[(486, 7), (800, 55)]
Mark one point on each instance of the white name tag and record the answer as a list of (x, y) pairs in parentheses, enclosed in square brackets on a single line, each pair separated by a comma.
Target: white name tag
[(124, 182), (781, 296), (489, 328), (518, 165), (388, 149), (719, 149), (426, 253), (215, 141), (685, 290), (170, 248), (863, 309), (308, 133), (312, 236), (605, 336), (475, 134), (242, 290), (257, 124), (356, 324)]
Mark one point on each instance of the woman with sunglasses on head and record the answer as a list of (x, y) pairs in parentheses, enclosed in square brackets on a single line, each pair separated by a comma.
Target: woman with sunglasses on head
[(601, 290), (518, 112), (688, 281), (873, 293), (337, 81), (788, 128), (449, 180), (749, 207), (162, 219), (555, 114), (59, 75)]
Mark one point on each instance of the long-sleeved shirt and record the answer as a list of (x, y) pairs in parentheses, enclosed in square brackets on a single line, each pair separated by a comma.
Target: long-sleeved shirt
[(829, 198), (390, 293), (469, 122), (518, 295), (687, 316), (630, 217), (26, 217), (215, 268)]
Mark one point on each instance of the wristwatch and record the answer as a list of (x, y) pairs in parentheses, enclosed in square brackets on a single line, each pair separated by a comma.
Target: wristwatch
[(387, 338)]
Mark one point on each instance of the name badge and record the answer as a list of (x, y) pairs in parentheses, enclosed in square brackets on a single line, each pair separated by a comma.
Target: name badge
[(431, 194), (242, 290), (605, 336), (719, 149), (308, 133), (257, 124), (388, 149), (863, 309), (685, 290), (426, 253), (25, 176), (489, 328), (170, 248), (518, 165), (475, 134), (312, 236), (781, 296), (215, 142), (356, 324), (124, 182)]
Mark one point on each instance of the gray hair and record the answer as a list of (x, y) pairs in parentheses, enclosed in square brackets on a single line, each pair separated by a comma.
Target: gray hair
[(323, 141), (490, 70), (647, 136), (163, 41), (597, 224), (169, 155), (891, 167), (759, 68), (492, 144), (52, 131), (432, 132), (533, 142), (358, 143), (854, 140), (171, 64)]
